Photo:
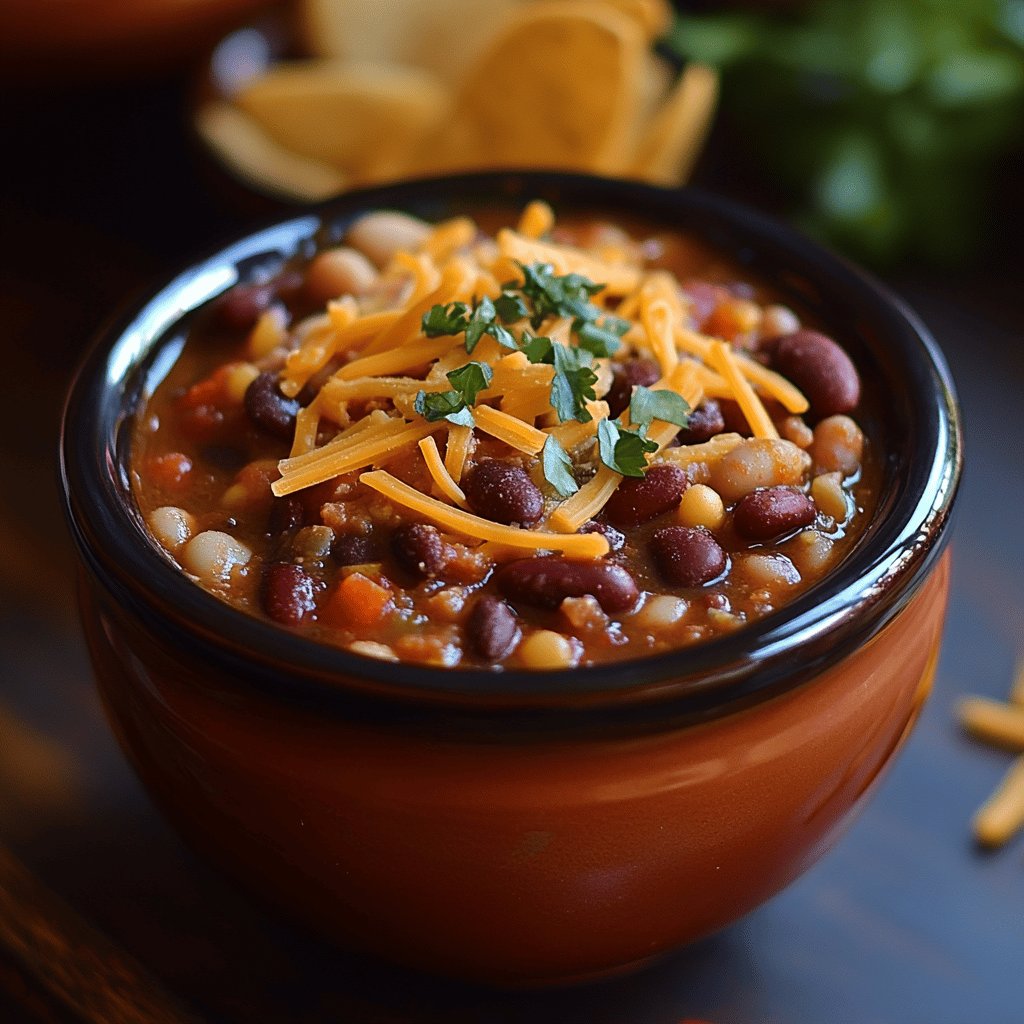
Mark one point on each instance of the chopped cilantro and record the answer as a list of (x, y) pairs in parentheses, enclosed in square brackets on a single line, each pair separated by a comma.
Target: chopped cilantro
[(539, 349), (601, 338), (467, 381), (648, 405), (439, 321), (623, 450), (476, 321), (573, 383), (510, 307), (557, 468), (554, 295)]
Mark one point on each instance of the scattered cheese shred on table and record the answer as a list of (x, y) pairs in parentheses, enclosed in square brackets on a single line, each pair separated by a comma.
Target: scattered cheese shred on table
[(1001, 724)]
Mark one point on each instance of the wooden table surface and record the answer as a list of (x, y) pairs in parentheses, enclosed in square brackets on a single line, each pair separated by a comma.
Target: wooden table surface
[(904, 923)]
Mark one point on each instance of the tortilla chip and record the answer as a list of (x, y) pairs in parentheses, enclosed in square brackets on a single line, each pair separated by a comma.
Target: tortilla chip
[(442, 36), (558, 87), (254, 156), (675, 135), (362, 119)]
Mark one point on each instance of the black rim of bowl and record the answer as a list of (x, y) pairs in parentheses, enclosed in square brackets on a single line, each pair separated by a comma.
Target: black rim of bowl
[(851, 603)]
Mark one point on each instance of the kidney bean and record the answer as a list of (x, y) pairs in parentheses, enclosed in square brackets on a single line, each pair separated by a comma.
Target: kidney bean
[(503, 493), (288, 593), (640, 500), (820, 369), (268, 408), (705, 421), (240, 308), (626, 376), (687, 556), (733, 419), (354, 549), (616, 540), (772, 512), (286, 516), (492, 629), (546, 582), (419, 549)]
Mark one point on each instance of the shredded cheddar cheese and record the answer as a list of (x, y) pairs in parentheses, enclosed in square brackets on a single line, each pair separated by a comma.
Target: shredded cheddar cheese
[(585, 545), (448, 487), (403, 372)]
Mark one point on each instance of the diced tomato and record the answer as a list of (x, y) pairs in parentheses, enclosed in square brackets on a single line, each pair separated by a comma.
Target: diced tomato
[(169, 471), (357, 601)]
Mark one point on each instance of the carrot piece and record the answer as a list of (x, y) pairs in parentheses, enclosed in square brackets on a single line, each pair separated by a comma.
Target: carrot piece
[(358, 601)]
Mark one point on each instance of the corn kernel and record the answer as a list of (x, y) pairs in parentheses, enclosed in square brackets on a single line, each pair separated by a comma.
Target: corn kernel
[(828, 494), (701, 506), (547, 649), (238, 379)]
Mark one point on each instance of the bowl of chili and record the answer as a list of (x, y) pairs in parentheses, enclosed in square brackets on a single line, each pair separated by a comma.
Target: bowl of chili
[(491, 814)]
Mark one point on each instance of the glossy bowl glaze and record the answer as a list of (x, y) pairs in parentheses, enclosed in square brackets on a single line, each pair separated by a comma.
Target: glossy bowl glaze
[(515, 827)]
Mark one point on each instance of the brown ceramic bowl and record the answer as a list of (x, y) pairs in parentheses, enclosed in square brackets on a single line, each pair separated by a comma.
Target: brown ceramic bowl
[(518, 827)]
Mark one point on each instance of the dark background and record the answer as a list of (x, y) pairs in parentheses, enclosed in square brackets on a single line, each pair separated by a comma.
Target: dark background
[(102, 189)]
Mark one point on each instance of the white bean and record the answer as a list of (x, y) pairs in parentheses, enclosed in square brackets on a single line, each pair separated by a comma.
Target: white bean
[(213, 556), (778, 320), (838, 445), (811, 552), (341, 271), (767, 570), (171, 526), (659, 612), (381, 234), (758, 462)]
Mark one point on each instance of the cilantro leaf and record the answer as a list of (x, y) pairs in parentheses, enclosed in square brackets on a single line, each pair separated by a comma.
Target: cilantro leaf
[(442, 320), (599, 338), (623, 450), (539, 349), (439, 405), (573, 383), (481, 318), (554, 295), (467, 382), (557, 468), (470, 380), (463, 417), (510, 307), (648, 405)]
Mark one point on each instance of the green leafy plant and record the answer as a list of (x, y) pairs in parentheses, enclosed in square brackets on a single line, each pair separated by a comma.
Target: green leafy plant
[(883, 118)]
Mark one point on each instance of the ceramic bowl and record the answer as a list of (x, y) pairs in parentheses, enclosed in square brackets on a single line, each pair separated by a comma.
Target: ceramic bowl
[(515, 827)]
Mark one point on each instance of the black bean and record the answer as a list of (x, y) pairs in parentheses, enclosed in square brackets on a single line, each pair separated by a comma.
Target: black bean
[(639, 500), (772, 512), (626, 376), (705, 422), (288, 593), (616, 539), (820, 369), (240, 308), (419, 549), (268, 408), (547, 582), (687, 556), (286, 516), (354, 549), (503, 493), (492, 629)]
